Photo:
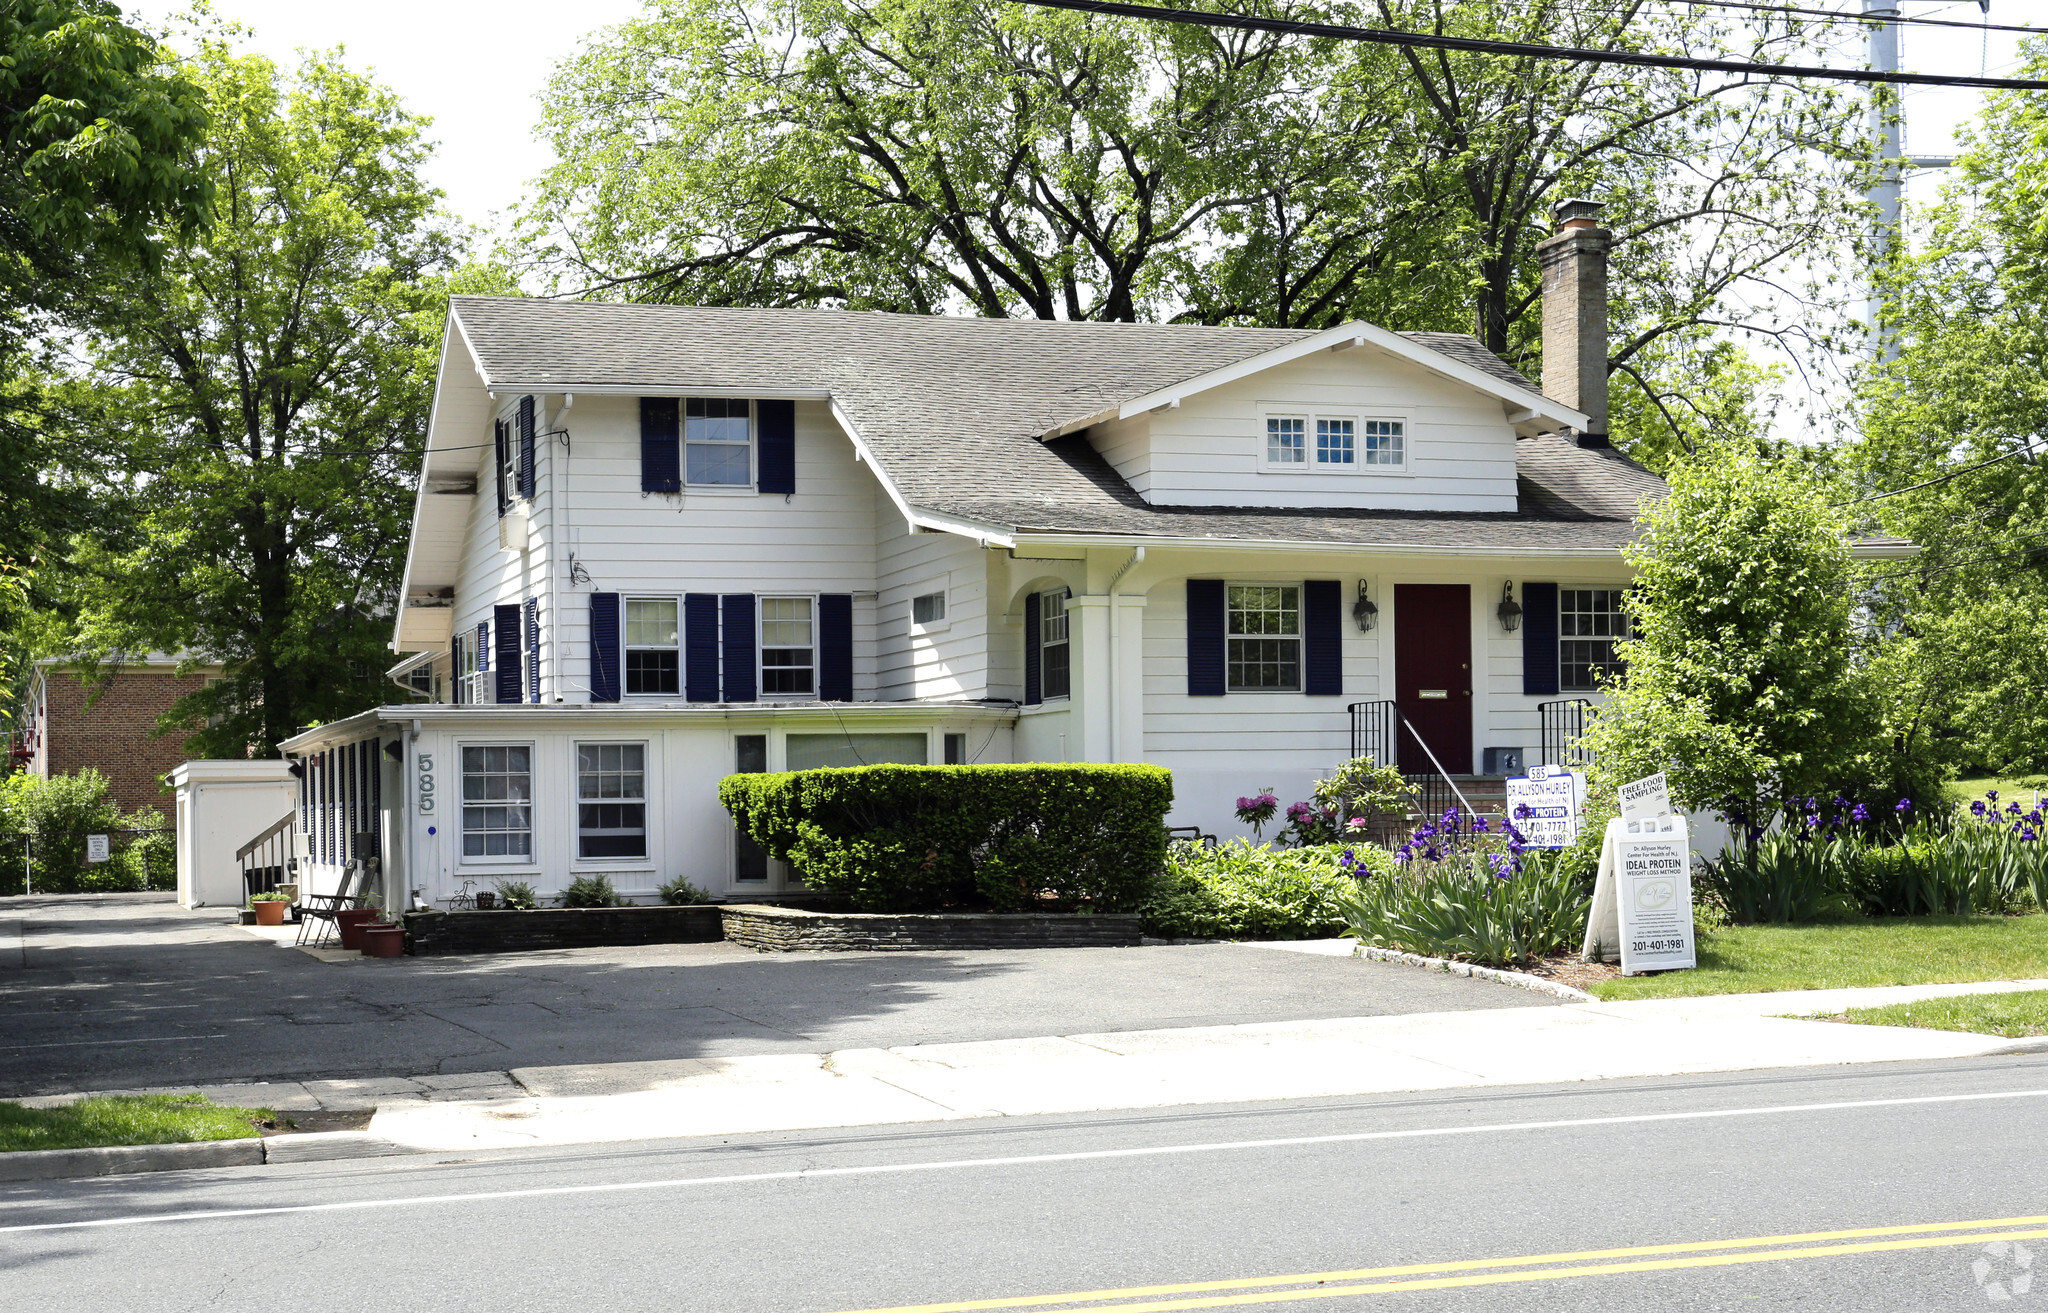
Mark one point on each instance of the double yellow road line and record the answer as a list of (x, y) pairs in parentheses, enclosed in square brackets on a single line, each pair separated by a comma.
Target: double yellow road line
[(1495, 1271)]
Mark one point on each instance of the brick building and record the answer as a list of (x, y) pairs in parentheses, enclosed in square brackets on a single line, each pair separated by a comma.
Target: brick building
[(64, 728)]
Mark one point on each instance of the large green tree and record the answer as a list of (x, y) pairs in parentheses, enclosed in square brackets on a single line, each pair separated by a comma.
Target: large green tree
[(978, 156), (1962, 409), (262, 391)]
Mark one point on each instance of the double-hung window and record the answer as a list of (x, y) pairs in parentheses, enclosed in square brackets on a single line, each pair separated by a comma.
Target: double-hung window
[(653, 659), (789, 652), (1055, 651), (1263, 637), (470, 679), (508, 461), (1589, 622), (718, 442), (611, 800), (497, 802)]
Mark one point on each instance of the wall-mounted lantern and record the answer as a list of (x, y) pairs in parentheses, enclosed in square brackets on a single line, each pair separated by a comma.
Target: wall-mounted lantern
[(1363, 611), (1509, 610)]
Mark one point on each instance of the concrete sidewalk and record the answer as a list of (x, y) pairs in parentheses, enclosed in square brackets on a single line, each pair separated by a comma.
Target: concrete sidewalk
[(1196, 1065)]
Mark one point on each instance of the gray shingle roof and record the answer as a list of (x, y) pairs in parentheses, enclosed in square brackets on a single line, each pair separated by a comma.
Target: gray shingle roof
[(954, 409)]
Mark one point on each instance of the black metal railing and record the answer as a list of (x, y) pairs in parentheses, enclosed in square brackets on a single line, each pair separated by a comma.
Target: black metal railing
[(1379, 731), (1564, 723), (266, 859)]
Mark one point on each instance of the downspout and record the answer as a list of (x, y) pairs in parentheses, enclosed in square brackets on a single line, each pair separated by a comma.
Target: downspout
[(1116, 724)]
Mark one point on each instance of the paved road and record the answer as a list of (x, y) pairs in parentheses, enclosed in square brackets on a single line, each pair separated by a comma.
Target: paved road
[(1508, 1199), (125, 990)]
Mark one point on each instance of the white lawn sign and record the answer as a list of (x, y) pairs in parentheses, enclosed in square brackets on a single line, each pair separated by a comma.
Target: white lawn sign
[(1642, 898), (1555, 799), (97, 849)]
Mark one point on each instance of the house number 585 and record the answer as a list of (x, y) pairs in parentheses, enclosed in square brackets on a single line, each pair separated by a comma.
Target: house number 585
[(426, 784)]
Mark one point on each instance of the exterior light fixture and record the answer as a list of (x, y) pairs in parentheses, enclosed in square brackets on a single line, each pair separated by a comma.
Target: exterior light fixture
[(1509, 610), (1363, 611)]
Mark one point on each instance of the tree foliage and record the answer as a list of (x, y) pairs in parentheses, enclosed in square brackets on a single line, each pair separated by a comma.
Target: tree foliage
[(969, 155), (1739, 682), (263, 390), (1967, 623)]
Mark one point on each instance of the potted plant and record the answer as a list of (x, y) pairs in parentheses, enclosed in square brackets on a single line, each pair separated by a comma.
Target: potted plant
[(349, 921), (380, 940), (270, 906)]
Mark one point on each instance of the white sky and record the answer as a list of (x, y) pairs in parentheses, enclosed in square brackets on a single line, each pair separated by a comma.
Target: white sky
[(475, 68)]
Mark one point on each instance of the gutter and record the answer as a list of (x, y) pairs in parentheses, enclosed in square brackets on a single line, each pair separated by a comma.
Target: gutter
[(1032, 540)]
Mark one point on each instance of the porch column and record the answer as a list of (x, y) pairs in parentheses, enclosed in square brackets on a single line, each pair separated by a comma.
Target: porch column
[(1091, 696)]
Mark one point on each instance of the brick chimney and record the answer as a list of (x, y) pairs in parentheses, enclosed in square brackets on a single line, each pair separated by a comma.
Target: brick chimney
[(1575, 315)]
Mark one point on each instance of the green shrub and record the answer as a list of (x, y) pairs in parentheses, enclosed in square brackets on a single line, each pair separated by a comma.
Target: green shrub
[(1239, 890), (517, 895), (57, 813), (1460, 906), (271, 896), (590, 891), (679, 892), (148, 860), (905, 838), (1782, 877)]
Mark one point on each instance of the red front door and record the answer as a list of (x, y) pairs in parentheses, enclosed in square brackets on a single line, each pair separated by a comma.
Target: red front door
[(1433, 673)]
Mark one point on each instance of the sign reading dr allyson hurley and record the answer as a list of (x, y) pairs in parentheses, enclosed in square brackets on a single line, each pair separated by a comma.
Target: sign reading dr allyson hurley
[(1555, 798), (1642, 900)]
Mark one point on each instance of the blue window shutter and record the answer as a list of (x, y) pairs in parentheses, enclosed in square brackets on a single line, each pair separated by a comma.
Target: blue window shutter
[(604, 647), (1205, 638), (835, 646), (700, 647), (526, 447), (505, 619), (738, 615), (533, 649), (1322, 636), (1539, 640), (498, 470), (776, 459), (661, 453), (1034, 652)]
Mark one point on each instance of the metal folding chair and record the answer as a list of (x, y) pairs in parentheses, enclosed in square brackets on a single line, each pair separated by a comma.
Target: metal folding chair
[(319, 909)]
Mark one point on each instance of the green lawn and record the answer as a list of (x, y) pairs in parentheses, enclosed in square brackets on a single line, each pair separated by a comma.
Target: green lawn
[(1919, 950), (2011, 788), (125, 1119), (2015, 1016)]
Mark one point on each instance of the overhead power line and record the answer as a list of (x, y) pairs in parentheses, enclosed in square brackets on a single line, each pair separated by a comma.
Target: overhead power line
[(1475, 45), (1929, 483), (1844, 16)]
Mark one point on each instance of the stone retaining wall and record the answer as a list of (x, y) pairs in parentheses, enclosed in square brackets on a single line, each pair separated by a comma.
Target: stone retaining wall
[(792, 929), (429, 934)]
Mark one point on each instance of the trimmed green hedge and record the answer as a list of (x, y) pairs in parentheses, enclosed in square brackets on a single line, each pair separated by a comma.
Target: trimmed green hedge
[(911, 838)]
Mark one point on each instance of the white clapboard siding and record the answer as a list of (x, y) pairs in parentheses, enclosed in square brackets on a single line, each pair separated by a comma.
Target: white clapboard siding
[(943, 661), (1206, 451)]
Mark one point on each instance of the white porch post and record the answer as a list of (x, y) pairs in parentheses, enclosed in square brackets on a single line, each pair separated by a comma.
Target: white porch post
[(1130, 677), (1093, 698)]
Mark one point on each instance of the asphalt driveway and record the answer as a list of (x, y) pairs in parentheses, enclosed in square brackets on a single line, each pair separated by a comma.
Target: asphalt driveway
[(124, 990)]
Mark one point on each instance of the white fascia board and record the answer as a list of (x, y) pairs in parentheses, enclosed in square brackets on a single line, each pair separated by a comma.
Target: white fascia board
[(988, 535), (452, 332), (1356, 333), (1041, 540)]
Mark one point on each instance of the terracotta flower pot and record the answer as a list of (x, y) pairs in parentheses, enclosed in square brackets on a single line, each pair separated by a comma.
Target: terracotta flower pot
[(270, 912), (382, 940), (350, 921)]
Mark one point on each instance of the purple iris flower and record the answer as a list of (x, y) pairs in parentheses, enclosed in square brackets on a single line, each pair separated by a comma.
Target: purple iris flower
[(1860, 814)]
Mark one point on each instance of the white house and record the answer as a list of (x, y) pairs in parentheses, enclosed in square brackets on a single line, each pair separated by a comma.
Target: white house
[(654, 545)]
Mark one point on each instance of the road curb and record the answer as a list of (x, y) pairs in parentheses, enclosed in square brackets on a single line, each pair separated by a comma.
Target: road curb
[(127, 1159), (2024, 1046), (1518, 979)]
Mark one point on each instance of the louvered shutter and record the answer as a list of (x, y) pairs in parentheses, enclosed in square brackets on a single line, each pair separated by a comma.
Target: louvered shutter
[(604, 647), (776, 458), (483, 646), (1206, 674), (505, 620), (737, 614), (526, 447), (533, 649), (835, 647), (700, 647), (1034, 651), (661, 453), (503, 439), (1322, 637), (1539, 640)]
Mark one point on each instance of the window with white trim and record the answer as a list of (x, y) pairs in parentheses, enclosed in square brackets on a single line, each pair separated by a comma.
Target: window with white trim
[(508, 459), (1386, 442), (1333, 443), (1336, 441), (718, 442), (928, 608), (1263, 637), (653, 659), (497, 802), (611, 800), (1286, 440), (1589, 623), (789, 653), (1055, 652), (470, 678)]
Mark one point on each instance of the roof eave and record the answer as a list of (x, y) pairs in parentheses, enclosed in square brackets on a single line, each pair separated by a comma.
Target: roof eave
[(1029, 538)]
